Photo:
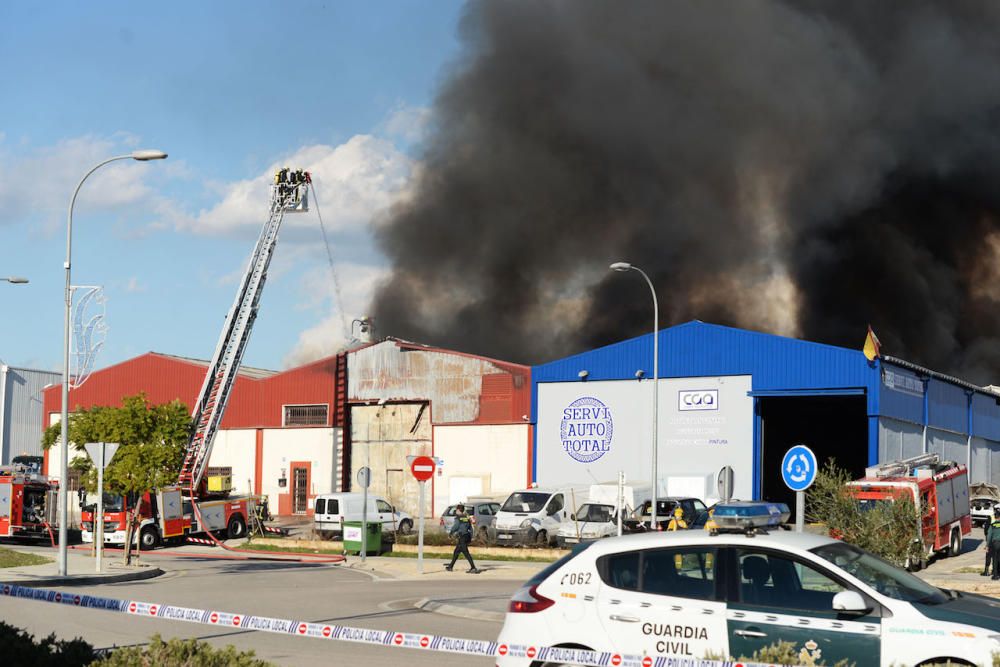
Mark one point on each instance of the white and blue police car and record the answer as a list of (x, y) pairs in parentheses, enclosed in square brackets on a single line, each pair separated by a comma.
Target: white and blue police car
[(728, 593)]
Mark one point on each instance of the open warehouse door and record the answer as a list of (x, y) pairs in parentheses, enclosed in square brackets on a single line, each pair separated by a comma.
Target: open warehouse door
[(833, 427)]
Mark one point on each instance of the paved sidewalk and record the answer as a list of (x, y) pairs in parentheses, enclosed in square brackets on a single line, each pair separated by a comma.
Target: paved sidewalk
[(81, 569), (387, 567)]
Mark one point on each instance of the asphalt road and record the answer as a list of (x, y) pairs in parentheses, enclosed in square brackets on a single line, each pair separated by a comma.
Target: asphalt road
[(314, 593)]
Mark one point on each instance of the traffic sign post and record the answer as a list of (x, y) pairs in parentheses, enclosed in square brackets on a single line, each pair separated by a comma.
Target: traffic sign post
[(798, 471), (422, 468), (101, 454)]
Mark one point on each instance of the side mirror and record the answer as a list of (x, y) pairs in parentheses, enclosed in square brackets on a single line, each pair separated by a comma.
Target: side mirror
[(849, 602)]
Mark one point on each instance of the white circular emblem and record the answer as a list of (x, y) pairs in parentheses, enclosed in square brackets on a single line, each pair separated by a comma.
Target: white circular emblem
[(586, 429)]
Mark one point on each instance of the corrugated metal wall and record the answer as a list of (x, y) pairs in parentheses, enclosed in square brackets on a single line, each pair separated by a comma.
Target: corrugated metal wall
[(21, 401), (910, 410), (257, 399), (698, 349), (461, 388)]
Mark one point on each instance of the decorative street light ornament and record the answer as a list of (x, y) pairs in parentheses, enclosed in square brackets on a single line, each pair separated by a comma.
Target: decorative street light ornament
[(89, 331)]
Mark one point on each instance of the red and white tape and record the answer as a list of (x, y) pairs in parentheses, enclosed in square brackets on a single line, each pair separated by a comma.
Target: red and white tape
[(361, 635)]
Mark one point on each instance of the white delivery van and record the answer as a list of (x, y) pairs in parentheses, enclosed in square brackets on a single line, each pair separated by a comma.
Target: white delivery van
[(534, 516), (333, 509)]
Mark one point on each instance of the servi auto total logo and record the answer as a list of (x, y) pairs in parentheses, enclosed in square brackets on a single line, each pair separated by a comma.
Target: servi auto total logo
[(586, 429)]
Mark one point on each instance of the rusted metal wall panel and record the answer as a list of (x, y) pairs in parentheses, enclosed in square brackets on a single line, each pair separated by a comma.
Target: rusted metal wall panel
[(457, 385)]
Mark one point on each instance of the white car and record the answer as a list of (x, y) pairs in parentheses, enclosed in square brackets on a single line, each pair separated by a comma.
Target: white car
[(695, 595), (592, 522)]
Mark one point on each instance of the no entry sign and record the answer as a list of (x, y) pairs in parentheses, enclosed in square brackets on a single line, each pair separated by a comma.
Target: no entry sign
[(422, 468)]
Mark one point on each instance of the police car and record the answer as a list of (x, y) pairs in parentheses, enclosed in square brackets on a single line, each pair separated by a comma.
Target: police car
[(728, 593)]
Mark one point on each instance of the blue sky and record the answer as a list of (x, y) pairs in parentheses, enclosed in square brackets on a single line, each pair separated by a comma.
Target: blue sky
[(230, 90)]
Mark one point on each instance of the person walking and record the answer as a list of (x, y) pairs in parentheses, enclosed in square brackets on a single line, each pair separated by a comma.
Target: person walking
[(462, 530), (993, 542)]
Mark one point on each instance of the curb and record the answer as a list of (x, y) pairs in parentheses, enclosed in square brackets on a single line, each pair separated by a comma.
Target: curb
[(87, 579), (459, 611)]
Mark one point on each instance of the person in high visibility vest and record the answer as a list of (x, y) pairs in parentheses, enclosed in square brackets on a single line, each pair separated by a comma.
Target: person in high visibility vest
[(711, 525), (993, 542), (678, 522)]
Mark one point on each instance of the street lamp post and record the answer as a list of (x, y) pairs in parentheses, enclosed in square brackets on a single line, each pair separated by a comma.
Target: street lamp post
[(625, 266), (16, 280), (142, 156)]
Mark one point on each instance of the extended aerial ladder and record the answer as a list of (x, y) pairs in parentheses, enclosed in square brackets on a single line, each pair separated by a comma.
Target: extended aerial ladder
[(289, 193)]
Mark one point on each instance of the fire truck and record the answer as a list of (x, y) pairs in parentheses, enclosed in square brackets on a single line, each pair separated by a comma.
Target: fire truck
[(27, 501), (941, 488), (200, 503)]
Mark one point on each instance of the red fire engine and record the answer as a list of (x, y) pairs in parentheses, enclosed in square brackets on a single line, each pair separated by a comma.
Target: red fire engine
[(200, 503), (27, 501), (940, 487)]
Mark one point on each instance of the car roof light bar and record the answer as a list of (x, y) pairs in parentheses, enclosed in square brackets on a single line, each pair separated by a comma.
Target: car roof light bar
[(749, 517)]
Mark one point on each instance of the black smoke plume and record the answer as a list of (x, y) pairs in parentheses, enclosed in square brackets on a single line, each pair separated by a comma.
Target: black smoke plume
[(803, 168)]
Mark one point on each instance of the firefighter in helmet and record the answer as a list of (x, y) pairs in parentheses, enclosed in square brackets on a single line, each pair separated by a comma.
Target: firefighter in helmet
[(677, 522)]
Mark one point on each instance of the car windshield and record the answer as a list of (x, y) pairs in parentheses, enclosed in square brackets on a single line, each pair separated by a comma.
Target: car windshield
[(880, 575), (525, 502), (867, 505), (596, 513), (450, 511)]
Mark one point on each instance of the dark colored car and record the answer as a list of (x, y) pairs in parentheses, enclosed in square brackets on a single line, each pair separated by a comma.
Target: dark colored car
[(642, 516)]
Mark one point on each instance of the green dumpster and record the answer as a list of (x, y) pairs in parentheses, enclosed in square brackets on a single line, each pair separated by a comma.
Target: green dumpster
[(373, 540)]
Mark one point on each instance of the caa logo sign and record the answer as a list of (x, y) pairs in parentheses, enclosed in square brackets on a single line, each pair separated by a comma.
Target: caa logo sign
[(701, 399), (586, 429)]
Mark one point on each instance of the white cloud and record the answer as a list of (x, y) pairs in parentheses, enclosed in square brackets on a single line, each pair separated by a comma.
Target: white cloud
[(40, 181), (354, 183), (408, 123), (333, 331)]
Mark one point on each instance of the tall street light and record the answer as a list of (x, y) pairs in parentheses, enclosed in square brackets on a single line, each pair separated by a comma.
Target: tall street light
[(141, 156), (17, 280), (625, 266)]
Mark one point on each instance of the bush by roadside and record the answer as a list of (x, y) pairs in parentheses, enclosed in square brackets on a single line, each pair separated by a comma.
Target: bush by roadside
[(886, 529), (19, 647), (180, 653)]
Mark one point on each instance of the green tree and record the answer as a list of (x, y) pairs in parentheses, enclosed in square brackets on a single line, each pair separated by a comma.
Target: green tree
[(152, 440)]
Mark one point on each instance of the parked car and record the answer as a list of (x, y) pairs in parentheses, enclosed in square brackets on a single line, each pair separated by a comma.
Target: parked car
[(642, 518), (982, 497), (733, 593), (591, 522), (483, 513)]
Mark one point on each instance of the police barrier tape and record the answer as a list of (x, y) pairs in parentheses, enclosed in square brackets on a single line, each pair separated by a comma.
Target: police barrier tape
[(362, 635)]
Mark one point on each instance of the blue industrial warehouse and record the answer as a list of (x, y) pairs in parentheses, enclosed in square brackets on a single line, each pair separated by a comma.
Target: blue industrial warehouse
[(741, 398)]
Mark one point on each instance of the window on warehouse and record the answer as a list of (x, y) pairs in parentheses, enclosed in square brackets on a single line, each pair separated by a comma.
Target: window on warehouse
[(306, 415)]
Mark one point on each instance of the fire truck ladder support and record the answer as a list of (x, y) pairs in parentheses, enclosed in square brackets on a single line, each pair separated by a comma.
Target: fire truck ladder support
[(221, 375), (903, 468)]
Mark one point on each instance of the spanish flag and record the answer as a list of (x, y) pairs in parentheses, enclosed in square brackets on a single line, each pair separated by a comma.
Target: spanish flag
[(872, 347)]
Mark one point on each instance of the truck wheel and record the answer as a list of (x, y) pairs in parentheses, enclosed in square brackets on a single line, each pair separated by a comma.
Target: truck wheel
[(149, 538), (542, 538), (237, 527), (405, 527), (955, 548)]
